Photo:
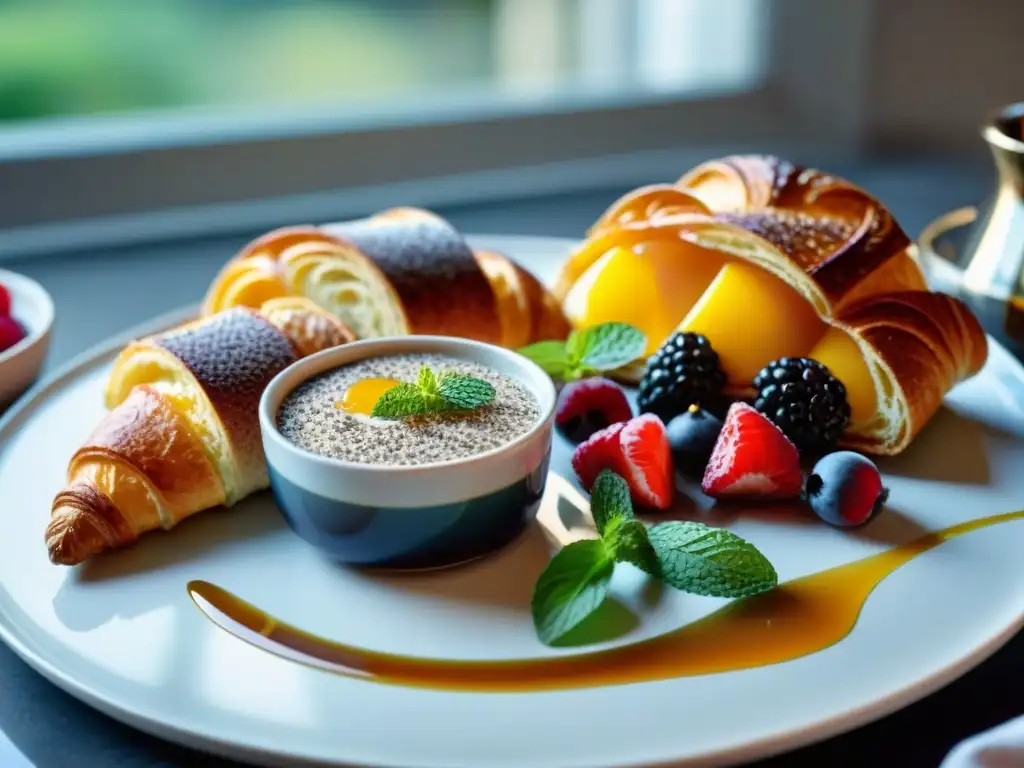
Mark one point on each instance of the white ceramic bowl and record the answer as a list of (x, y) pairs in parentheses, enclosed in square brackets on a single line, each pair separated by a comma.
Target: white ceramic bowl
[(427, 516), (31, 306)]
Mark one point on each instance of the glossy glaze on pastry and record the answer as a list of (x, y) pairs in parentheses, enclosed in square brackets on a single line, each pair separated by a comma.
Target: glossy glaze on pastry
[(402, 271), (769, 260), (182, 433)]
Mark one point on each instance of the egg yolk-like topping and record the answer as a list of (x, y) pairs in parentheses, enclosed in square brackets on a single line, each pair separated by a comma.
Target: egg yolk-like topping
[(361, 396)]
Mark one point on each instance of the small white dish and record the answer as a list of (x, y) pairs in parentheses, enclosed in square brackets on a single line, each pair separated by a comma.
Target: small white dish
[(410, 517), (32, 307)]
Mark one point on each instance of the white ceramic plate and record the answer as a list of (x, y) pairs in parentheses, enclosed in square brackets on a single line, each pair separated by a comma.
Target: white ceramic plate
[(122, 634)]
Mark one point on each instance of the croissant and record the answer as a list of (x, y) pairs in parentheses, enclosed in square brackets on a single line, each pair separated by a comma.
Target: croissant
[(182, 433), (402, 271), (851, 266)]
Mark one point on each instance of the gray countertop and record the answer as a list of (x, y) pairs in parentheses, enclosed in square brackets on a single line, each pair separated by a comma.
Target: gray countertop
[(98, 294)]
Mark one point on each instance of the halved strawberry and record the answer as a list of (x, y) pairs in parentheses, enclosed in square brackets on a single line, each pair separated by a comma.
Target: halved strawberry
[(600, 451), (752, 459), (647, 462)]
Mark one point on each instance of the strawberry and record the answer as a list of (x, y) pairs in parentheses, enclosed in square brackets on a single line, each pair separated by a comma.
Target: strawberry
[(600, 451), (638, 451), (752, 459), (5, 301), (647, 461)]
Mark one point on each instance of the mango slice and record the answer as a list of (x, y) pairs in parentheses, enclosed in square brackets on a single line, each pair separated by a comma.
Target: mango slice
[(840, 354), (752, 317), (652, 286)]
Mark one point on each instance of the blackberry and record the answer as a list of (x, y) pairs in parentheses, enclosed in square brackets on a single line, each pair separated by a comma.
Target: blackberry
[(804, 400), (683, 372)]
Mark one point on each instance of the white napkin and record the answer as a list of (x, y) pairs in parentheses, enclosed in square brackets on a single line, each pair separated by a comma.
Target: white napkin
[(1000, 747)]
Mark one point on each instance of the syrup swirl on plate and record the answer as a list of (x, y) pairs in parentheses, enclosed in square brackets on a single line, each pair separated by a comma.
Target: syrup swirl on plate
[(795, 619)]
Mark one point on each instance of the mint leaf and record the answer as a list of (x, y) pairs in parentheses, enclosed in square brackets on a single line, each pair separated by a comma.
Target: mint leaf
[(400, 402), (709, 561), (609, 500), (601, 348), (433, 394), (609, 346), (571, 587), (632, 545), (575, 345), (427, 381), (465, 392), (623, 535), (551, 356)]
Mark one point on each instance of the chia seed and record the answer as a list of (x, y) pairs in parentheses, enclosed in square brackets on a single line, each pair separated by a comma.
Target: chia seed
[(310, 418)]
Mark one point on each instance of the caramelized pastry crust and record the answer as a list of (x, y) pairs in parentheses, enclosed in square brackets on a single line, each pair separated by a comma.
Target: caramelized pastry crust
[(833, 243), (404, 270), (182, 433)]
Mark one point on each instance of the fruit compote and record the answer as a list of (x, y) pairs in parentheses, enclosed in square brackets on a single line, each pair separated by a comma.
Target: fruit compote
[(11, 331)]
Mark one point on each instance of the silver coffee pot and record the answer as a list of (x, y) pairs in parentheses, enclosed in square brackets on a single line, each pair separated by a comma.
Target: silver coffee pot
[(977, 253)]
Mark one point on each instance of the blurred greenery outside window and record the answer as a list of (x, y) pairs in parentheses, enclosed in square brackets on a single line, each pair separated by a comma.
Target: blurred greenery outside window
[(123, 120), (70, 58)]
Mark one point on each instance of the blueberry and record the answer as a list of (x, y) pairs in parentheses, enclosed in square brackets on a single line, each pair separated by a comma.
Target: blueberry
[(845, 489), (692, 436)]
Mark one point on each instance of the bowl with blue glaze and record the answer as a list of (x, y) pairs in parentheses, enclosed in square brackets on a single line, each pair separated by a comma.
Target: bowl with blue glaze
[(420, 516)]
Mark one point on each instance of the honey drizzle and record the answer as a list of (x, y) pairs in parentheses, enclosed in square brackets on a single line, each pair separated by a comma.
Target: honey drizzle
[(795, 619)]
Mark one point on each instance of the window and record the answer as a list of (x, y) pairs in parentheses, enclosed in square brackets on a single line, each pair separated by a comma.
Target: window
[(101, 57), (221, 114)]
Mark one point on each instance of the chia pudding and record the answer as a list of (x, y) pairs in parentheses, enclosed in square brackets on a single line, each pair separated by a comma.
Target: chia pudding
[(310, 418)]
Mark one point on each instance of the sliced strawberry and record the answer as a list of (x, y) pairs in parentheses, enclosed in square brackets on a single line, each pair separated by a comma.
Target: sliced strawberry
[(600, 451), (647, 461), (752, 459)]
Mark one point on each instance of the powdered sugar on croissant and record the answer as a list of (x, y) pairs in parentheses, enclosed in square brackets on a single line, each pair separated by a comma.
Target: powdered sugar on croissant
[(401, 271), (182, 434)]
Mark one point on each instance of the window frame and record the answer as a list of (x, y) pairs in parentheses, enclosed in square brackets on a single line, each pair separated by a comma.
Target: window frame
[(79, 184)]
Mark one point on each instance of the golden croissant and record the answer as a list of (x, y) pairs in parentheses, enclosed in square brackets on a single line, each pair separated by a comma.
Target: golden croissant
[(402, 271), (769, 260), (182, 433)]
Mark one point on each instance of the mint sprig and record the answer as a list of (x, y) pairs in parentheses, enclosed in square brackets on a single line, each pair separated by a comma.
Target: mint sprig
[(610, 504), (433, 393), (709, 561), (401, 402), (573, 586), (427, 381), (588, 352), (690, 557)]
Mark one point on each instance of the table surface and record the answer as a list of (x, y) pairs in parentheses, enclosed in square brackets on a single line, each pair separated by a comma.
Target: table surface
[(98, 294)]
